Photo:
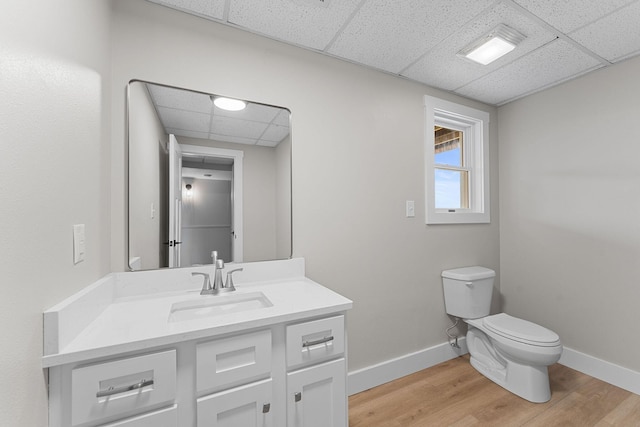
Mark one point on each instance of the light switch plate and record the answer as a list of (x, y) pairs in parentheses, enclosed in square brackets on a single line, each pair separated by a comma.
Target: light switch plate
[(78, 243), (411, 209)]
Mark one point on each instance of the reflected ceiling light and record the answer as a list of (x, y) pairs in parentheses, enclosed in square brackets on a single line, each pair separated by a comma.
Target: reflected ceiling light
[(492, 46), (189, 190), (229, 104)]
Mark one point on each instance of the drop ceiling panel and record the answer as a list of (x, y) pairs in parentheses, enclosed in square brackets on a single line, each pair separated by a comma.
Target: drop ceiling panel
[(207, 8), (235, 127), (391, 34), (308, 23), (614, 37), (180, 99), (442, 68), (419, 38), (187, 133), (185, 120), (283, 118), (551, 64), (568, 15), (231, 138), (275, 134)]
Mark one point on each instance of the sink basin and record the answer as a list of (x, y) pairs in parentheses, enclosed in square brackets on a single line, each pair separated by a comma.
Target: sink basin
[(217, 305)]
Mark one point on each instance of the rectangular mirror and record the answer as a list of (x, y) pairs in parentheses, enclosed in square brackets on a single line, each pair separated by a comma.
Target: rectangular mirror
[(204, 178)]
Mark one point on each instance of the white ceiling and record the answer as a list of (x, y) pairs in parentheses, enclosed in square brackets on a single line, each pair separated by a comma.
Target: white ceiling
[(193, 114), (419, 39)]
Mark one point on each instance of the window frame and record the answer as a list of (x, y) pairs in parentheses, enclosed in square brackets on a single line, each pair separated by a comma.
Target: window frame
[(475, 125)]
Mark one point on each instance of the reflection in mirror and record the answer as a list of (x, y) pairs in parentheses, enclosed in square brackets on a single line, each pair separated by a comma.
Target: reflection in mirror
[(203, 178)]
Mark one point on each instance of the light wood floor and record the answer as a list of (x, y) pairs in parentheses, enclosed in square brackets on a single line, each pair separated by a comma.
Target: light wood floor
[(455, 394)]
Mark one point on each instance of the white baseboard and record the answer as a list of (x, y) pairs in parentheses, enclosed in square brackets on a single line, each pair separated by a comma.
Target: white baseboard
[(372, 376), (381, 373), (598, 368)]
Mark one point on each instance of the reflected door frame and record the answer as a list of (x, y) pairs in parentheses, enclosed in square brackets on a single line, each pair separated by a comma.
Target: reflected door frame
[(237, 236), (175, 202)]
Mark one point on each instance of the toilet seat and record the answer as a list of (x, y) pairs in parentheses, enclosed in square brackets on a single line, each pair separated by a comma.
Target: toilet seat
[(520, 330)]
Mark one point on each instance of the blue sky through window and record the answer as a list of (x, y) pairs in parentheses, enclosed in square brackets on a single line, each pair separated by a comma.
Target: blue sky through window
[(447, 182)]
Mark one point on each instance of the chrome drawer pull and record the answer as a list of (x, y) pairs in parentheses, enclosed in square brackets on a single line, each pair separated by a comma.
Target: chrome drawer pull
[(316, 342), (297, 397), (117, 390), (266, 408)]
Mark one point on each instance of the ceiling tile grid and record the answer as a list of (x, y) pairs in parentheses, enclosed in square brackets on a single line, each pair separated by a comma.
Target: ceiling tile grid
[(165, 96), (187, 133), (614, 37), (442, 68), (419, 39), (306, 23), (241, 128), (390, 34), (553, 63), (184, 120), (230, 138), (569, 15), (283, 118), (273, 135)]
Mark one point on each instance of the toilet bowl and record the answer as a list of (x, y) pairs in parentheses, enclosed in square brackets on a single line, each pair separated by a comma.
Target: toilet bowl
[(512, 352)]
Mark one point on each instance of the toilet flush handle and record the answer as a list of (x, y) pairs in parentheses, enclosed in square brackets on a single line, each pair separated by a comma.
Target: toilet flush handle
[(469, 284)]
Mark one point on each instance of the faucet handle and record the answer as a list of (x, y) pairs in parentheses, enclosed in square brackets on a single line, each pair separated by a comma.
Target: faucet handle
[(229, 284), (206, 283)]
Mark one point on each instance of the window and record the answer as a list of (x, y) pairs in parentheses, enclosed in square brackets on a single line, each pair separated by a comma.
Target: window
[(457, 163)]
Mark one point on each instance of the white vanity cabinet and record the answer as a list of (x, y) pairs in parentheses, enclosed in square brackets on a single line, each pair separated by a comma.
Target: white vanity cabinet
[(118, 356), (316, 387), (286, 374)]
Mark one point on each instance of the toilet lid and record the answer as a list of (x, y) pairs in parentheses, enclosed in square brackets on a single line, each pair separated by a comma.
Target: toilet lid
[(520, 330)]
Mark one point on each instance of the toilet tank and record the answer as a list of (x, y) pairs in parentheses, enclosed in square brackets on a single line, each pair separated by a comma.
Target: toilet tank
[(467, 291)]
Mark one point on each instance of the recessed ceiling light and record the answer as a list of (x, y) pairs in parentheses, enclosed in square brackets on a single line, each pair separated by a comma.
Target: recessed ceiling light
[(492, 46), (229, 104)]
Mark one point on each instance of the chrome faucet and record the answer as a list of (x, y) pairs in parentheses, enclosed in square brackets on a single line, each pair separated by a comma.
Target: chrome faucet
[(218, 286), (229, 284), (207, 289), (217, 278)]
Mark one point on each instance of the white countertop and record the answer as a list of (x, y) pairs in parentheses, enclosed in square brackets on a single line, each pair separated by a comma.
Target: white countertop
[(136, 322)]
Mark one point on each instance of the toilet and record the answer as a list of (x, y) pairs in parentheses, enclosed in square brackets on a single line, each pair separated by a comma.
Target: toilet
[(512, 352)]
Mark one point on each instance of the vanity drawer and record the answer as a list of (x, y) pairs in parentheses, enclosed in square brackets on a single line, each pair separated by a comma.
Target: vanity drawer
[(122, 387), (315, 341), (232, 361), (167, 417)]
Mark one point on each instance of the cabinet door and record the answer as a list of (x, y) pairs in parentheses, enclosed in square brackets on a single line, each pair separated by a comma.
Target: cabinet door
[(164, 418), (246, 406), (317, 396)]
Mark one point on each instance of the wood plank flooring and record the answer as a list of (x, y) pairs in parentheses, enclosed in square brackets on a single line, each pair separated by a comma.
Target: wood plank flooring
[(455, 394)]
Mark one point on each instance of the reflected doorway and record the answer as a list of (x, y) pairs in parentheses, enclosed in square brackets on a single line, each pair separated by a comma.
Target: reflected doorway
[(207, 209)]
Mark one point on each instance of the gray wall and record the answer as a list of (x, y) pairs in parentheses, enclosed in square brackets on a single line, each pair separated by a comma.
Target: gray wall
[(283, 198), (54, 172), (358, 153), (148, 174), (570, 210)]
